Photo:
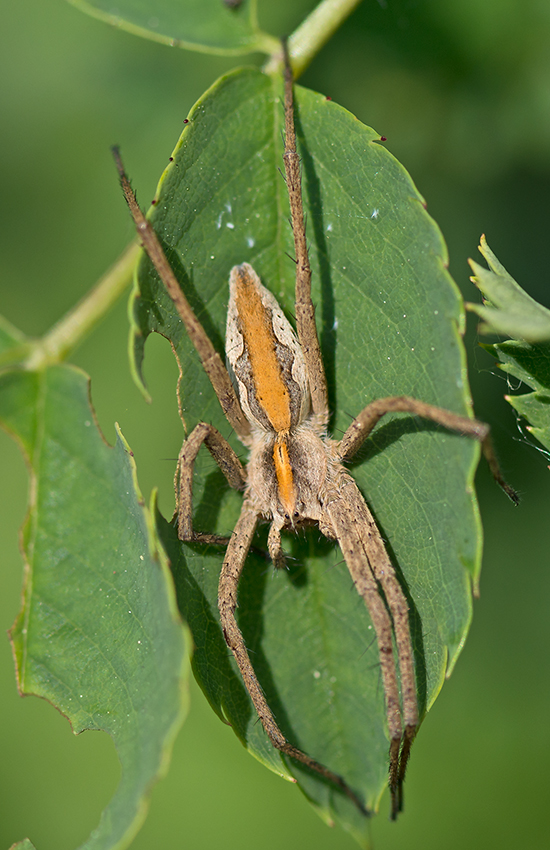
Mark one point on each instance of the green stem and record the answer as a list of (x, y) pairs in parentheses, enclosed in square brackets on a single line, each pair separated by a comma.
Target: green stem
[(58, 343), (312, 34)]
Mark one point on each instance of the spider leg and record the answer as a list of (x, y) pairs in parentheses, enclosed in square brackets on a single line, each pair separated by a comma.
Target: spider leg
[(305, 311), (363, 424), (229, 464), (212, 363), (368, 562), (232, 568), (384, 573)]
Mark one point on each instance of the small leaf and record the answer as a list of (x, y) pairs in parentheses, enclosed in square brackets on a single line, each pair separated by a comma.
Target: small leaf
[(536, 409), (511, 311), (508, 309), (389, 318), (529, 363), (99, 634), (209, 26)]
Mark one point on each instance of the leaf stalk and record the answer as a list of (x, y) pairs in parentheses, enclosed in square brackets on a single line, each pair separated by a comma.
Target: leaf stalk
[(312, 35), (56, 345)]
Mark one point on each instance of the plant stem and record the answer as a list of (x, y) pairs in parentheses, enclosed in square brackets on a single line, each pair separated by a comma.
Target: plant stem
[(312, 34), (65, 335)]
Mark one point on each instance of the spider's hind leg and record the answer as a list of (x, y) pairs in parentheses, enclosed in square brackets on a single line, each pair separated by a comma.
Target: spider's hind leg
[(372, 571), (349, 517)]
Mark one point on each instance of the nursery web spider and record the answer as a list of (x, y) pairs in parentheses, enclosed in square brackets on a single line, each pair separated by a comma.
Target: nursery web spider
[(274, 395)]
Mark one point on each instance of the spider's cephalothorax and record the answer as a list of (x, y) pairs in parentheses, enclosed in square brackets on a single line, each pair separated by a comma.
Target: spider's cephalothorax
[(276, 401)]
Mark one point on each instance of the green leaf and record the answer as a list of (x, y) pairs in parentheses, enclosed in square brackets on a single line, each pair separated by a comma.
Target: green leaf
[(99, 634), (209, 26), (531, 365), (23, 845), (390, 320), (507, 308)]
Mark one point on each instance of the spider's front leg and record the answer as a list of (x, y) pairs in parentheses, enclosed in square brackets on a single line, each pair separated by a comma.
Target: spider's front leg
[(210, 359), (305, 311), (229, 464)]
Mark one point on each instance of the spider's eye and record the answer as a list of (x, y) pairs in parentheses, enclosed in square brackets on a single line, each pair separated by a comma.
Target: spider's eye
[(296, 513), (287, 516)]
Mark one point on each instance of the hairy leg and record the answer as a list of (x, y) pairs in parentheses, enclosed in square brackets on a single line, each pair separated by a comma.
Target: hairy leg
[(212, 363), (364, 562), (229, 464), (305, 311), (384, 573), (232, 568), (363, 424)]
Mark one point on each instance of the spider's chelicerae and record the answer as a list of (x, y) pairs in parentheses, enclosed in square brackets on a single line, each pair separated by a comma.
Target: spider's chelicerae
[(276, 401)]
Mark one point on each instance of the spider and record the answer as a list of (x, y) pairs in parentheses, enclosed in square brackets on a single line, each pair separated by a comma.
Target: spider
[(274, 396)]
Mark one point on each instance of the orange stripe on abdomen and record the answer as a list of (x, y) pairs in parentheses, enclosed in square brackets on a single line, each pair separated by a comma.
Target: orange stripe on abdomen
[(285, 478)]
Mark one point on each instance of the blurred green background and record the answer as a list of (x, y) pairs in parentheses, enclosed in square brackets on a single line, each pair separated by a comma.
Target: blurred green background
[(461, 89)]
